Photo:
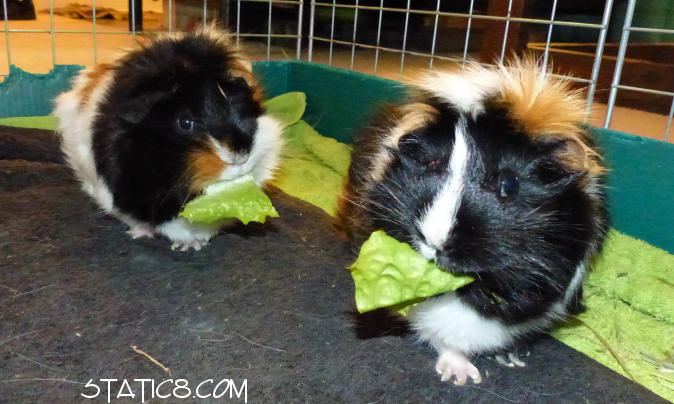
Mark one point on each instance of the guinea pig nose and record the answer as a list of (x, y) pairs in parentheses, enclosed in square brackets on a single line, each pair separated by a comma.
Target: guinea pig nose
[(443, 261)]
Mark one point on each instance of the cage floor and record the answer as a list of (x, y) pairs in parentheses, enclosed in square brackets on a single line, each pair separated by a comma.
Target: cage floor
[(270, 304)]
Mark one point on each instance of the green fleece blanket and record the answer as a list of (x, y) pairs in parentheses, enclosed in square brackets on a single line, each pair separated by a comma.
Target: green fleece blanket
[(629, 293)]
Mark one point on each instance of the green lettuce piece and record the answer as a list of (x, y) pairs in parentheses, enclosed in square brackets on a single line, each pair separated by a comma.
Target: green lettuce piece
[(240, 198), (313, 166), (288, 107), (390, 273)]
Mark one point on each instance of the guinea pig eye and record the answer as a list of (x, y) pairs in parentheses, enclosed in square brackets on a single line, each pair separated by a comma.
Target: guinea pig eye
[(185, 125), (433, 164), (412, 150), (509, 185), (409, 145)]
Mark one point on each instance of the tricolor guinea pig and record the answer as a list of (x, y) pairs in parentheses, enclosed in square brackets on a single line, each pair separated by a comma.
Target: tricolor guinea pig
[(488, 172), (150, 131)]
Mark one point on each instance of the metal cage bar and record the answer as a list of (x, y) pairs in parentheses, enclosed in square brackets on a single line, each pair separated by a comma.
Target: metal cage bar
[(601, 41), (464, 58), (355, 31), (312, 16), (238, 21), (132, 16), (332, 30), (402, 54), (546, 53), (624, 40), (435, 35), (9, 52), (376, 52), (300, 18), (669, 121), (269, 32), (51, 33), (93, 16), (505, 32)]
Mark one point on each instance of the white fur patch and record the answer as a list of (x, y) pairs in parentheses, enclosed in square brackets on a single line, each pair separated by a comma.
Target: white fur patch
[(439, 218), (424, 249), (75, 127), (264, 156), (575, 283), (446, 323), (466, 90)]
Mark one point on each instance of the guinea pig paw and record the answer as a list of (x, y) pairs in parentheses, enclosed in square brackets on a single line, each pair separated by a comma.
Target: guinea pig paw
[(140, 231), (511, 360), (455, 364), (186, 245)]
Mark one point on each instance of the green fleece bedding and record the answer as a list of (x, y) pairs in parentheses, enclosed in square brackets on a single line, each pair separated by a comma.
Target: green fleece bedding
[(629, 293), (47, 122)]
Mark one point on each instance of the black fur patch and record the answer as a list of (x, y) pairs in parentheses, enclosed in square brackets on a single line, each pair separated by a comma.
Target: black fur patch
[(141, 150)]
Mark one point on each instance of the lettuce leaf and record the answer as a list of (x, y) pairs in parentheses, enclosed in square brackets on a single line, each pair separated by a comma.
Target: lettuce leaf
[(390, 273), (287, 108), (241, 198), (313, 167)]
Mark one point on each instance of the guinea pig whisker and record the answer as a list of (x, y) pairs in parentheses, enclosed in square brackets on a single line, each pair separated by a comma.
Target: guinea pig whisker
[(222, 92), (381, 216)]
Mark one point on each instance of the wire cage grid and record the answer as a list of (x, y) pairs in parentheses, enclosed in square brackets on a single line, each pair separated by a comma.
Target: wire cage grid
[(305, 45)]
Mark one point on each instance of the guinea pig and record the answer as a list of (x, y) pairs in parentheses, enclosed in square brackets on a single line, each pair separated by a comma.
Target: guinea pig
[(490, 173), (147, 133)]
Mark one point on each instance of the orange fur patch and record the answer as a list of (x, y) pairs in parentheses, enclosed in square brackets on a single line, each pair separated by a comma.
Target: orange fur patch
[(242, 68), (408, 118), (94, 77), (413, 117), (204, 166), (547, 107)]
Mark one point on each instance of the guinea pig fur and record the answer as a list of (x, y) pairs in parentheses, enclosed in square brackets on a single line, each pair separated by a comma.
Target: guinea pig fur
[(488, 172), (150, 131)]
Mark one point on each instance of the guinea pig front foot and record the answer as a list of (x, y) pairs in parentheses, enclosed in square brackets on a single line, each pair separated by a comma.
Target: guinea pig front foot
[(452, 363), (140, 231), (186, 245), (510, 360)]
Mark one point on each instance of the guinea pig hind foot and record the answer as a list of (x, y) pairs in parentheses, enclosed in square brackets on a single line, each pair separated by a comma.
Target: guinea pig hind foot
[(511, 359), (185, 235), (184, 246), (451, 363), (140, 231)]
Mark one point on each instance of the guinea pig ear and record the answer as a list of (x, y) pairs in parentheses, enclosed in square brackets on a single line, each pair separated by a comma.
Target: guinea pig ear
[(134, 111), (571, 153), (137, 107)]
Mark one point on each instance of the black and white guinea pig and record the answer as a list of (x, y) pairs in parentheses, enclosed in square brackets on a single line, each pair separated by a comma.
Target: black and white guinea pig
[(150, 131), (488, 172)]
